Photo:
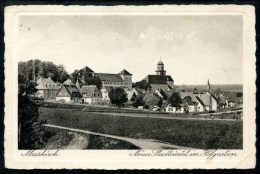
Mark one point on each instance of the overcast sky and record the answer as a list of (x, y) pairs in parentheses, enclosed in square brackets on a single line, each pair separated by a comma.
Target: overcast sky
[(193, 48)]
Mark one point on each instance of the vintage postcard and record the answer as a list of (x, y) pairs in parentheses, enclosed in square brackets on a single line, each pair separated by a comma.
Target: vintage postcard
[(130, 87)]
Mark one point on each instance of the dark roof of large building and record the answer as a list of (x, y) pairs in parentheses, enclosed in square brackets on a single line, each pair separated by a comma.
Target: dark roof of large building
[(158, 79), (87, 69), (109, 77), (124, 72)]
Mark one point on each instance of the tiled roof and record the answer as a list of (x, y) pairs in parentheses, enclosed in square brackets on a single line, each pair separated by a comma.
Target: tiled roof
[(207, 97), (124, 72), (109, 77), (72, 90), (89, 90), (200, 101), (46, 83), (158, 79), (188, 100)]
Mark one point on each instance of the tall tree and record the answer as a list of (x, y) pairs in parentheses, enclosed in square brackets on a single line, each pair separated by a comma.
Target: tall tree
[(142, 85), (138, 101), (27, 116), (44, 69), (175, 100), (118, 96)]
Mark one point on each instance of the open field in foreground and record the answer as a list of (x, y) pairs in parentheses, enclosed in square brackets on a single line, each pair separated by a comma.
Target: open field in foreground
[(211, 134)]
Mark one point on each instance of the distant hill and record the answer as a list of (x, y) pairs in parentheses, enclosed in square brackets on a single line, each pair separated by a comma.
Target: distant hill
[(222, 87)]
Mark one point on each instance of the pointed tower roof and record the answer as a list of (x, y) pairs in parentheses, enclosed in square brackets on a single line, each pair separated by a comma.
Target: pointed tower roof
[(160, 62), (124, 72)]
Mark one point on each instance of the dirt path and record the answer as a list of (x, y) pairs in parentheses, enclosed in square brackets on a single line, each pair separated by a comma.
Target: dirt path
[(142, 143), (161, 117)]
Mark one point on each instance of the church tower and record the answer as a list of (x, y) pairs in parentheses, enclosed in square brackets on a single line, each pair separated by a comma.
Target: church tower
[(208, 86), (160, 69)]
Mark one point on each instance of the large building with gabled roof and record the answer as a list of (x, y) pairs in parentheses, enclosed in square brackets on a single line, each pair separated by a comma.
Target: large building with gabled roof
[(160, 81), (122, 79)]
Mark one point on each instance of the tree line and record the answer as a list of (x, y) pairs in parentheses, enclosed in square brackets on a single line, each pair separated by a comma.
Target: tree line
[(33, 69)]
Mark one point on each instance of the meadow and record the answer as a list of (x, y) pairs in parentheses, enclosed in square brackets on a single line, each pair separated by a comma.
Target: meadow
[(200, 134)]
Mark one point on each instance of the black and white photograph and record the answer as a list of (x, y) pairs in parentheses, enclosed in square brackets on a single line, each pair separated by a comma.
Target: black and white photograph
[(129, 81)]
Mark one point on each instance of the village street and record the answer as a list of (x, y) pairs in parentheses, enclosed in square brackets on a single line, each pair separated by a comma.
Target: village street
[(142, 143)]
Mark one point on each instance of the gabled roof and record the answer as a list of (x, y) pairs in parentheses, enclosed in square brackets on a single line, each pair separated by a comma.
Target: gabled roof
[(87, 69), (89, 90), (207, 97), (158, 79), (46, 83), (71, 89), (200, 101), (188, 100), (124, 72), (109, 77)]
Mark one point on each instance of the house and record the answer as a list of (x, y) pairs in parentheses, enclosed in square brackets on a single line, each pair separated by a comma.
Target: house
[(223, 102), (192, 106), (90, 94), (46, 88), (122, 79), (104, 92), (182, 108), (235, 98), (176, 104), (210, 101), (200, 105), (151, 100), (68, 93), (131, 93), (160, 80)]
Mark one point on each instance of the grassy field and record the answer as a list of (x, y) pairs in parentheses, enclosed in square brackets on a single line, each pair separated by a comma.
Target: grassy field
[(217, 134)]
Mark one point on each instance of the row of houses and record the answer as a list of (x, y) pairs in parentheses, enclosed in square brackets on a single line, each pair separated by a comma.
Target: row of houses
[(161, 85), (205, 101), (69, 92)]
